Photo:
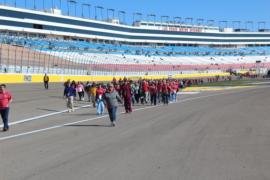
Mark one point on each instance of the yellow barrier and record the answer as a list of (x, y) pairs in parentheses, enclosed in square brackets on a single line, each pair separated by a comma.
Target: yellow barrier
[(202, 75), (11, 78), (34, 78)]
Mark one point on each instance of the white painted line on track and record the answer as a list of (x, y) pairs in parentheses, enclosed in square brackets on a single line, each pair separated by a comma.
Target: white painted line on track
[(63, 111), (42, 116), (50, 128), (189, 92), (100, 117)]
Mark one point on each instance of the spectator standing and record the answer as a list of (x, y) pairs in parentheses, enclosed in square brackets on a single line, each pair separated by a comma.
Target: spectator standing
[(5, 100), (93, 92), (46, 80)]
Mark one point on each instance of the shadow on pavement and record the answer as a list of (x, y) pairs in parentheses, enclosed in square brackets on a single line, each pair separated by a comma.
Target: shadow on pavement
[(91, 125)]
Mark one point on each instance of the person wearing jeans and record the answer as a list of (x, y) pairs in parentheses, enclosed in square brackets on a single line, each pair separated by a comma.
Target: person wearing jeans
[(165, 93), (70, 93), (5, 100), (100, 100), (111, 102), (112, 114)]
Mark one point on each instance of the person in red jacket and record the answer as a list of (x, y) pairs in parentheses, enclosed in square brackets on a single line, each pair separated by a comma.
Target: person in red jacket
[(153, 93), (126, 90), (165, 92), (159, 93), (5, 100), (145, 88)]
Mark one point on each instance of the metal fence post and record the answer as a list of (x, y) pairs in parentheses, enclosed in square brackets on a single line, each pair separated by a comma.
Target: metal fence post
[(53, 61), (1, 57), (28, 60), (15, 63), (60, 61), (39, 60), (8, 59), (21, 61), (75, 64)]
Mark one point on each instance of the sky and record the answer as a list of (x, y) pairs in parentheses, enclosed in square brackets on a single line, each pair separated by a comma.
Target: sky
[(218, 10)]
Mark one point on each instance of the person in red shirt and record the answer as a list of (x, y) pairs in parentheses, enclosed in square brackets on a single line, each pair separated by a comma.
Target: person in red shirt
[(126, 90), (153, 93), (165, 92), (145, 88), (159, 94), (100, 100), (174, 89), (5, 100)]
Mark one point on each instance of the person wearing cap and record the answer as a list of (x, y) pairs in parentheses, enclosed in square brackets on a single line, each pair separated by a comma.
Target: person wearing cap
[(5, 100), (111, 101), (70, 93)]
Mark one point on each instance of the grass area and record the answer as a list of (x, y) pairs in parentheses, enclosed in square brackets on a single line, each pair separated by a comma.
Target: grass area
[(230, 83)]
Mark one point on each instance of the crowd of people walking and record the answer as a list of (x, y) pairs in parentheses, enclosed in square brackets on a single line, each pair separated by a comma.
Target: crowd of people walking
[(107, 96), (128, 92)]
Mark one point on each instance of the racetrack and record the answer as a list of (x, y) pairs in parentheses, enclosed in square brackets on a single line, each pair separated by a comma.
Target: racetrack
[(222, 135)]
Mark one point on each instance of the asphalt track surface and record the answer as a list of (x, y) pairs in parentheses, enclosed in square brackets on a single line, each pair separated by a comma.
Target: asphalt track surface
[(223, 135)]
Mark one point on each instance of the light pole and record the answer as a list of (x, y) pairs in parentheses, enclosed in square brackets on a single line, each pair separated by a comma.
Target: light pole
[(200, 21), (236, 24), (108, 13), (251, 26), (175, 20), (75, 7), (221, 23), (210, 22), (166, 19), (261, 25), (60, 4), (35, 5), (137, 14), (151, 15), (101, 12), (189, 21), (123, 13), (87, 5)]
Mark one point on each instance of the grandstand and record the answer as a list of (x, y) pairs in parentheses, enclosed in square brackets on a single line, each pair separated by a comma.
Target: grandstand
[(37, 42)]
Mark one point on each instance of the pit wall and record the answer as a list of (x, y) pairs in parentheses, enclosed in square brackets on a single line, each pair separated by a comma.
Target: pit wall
[(38, 78)]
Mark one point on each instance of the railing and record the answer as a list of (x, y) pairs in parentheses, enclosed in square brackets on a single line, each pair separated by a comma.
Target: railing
[(35, 56)]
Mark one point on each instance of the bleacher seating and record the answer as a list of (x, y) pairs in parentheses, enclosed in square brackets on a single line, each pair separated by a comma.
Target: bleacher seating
[(70, 55)]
